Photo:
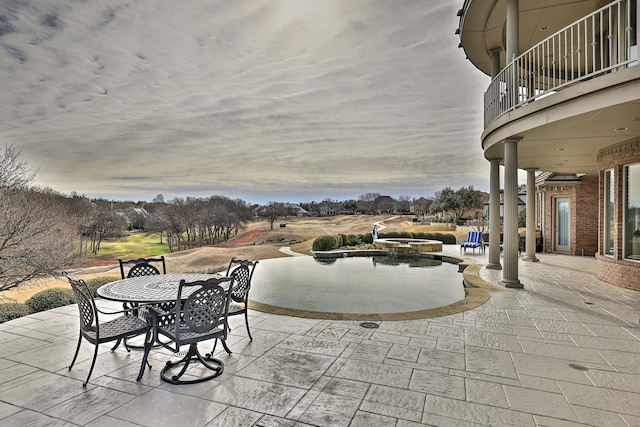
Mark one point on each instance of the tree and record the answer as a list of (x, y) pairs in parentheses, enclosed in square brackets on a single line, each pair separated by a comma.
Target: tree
[(272, 211), (456, 203), (14, 170), (37, 233)]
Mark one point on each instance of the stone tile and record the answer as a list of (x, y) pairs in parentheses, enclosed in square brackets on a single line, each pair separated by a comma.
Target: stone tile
[(398, 398), (486, 393), (446, 359), (43, 392), (537, 383), (389, 338), (501, 328), (535, 347), (331, 410), (367, 419), (492, 340), (391, 411), (162, 408), (539, 403), (622, 361), (375, 373), (288, 367), (474, 413), (313, 345), (284, 324), (586, 355), (614, 380), (437, 384), (254, 395), (423, 342), (89, 406), (575, 328), (303, 404), (404, 352), (333, 332), (7, 410), (415, 327), (370, 352), (21, 345), (598, 417), (490, 361), (234, 417), (107, 421), (343, 387), (446, 344), (262, 342), (271, 421), (546, 367), (601, 398), (33, 419), (435, 330)]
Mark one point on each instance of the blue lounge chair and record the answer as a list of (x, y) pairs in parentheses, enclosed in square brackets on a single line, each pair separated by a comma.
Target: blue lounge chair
[(474, 240)]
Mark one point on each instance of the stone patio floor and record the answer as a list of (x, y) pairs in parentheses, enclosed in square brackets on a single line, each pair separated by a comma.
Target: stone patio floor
[(563, 351)]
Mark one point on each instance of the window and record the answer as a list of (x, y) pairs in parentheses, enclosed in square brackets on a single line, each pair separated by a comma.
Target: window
[(631, 231), (609, 203)]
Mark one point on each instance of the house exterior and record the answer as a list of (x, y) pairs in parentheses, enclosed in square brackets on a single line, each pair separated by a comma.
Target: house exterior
[(563, 103)]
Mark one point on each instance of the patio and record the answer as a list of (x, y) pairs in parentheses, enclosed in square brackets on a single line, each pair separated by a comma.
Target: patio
[(562, 351)]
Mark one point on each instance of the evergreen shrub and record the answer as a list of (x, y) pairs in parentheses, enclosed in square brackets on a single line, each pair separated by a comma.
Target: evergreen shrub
[(12, 310), (50, 298), (325, 243)]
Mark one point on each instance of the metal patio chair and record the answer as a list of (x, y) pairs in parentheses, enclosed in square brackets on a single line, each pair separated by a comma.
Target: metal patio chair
[(241, 270), (118, 329), (142, 267), (202, 316)]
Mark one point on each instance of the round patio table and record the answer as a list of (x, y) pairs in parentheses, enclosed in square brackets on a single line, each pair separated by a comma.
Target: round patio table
[(151, 289)]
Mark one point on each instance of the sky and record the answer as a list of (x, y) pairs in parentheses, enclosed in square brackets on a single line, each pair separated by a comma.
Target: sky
[(261, 100)]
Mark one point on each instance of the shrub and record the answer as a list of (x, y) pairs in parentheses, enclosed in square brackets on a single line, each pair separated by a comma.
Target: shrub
[(96, 282), (352, 240), (449, 239), (325, 243), (50, 298), (12, 310), (366, 238)]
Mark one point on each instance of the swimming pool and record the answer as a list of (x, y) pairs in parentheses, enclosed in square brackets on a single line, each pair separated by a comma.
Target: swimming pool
[(358, 285)]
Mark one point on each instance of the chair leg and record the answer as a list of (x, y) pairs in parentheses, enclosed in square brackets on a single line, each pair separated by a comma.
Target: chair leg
[(77, 350), (224, 344), (117, 344), (246, 322), (192, 355), (93, 363)]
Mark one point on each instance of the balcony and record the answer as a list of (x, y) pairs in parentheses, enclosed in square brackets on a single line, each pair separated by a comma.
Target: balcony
[(599, 43)]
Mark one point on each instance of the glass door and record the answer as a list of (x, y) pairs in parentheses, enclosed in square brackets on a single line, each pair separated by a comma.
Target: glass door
[(561, 225)]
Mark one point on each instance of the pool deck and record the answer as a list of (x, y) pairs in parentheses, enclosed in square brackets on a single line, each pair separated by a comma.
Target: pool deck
[(563, 351)]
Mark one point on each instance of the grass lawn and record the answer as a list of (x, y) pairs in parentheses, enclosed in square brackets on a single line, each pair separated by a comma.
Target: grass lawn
[(133, 245)]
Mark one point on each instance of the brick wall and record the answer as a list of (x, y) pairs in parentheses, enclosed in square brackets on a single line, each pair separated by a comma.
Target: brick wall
[(614, 269), (583, 215)]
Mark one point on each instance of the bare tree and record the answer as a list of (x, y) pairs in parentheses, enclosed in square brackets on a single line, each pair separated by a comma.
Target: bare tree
[(14, 170), (37, 235)]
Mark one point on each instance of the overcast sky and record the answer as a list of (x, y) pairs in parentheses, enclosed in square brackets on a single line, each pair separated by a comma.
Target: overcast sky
[(262, 100)]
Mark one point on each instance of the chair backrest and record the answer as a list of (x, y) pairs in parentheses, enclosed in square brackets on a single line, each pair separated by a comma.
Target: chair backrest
[(86, 306), (142, 267), (474, 237), (204, 311), (242, 272)]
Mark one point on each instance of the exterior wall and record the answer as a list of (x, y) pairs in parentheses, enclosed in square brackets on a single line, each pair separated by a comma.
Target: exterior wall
[(583, 215), (614, 269)]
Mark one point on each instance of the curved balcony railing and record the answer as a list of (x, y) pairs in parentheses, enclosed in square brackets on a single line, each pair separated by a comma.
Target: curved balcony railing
[(597, 44)]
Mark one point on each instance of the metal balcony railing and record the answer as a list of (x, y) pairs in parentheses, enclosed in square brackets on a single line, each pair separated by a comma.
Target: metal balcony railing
[(597, 44)]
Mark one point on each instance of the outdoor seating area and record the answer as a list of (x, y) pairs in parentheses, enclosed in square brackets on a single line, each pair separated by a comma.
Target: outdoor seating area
[(562, 351)]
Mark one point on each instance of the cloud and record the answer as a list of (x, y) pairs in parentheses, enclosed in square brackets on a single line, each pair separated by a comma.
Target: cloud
[(331, 99)]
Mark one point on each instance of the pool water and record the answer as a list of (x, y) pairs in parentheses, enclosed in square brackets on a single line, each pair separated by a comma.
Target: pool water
[(363, 285)]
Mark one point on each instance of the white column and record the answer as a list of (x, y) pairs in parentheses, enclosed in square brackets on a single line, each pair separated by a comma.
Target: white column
[(510, 231), (513, 25), (494, 216), (530, 249)]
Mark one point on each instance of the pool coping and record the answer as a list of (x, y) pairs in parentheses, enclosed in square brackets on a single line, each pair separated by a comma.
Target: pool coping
[(476, 293)]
